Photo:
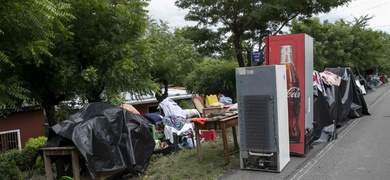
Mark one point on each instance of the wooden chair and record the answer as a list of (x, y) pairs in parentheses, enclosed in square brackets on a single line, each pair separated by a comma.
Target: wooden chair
[(198, 103)]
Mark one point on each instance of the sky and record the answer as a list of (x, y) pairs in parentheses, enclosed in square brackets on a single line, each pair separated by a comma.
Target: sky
[(168, 12)]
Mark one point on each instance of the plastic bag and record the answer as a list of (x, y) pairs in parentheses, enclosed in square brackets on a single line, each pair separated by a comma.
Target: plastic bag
[(225, 100)]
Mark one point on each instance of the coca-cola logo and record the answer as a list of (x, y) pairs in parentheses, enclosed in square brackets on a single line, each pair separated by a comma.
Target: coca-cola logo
[(294, 92)]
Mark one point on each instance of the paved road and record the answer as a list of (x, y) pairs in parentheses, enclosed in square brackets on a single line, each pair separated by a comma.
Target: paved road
[(361, 151)]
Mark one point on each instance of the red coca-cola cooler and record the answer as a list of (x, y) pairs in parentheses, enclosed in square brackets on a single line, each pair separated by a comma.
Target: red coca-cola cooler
[(296, 52)]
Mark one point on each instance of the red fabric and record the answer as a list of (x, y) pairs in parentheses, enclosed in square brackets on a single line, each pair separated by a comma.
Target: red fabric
[(382, 78), (201, 121)]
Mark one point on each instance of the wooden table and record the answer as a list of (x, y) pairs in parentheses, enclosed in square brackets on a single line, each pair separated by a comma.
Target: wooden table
[(223, 124), (56, 151)]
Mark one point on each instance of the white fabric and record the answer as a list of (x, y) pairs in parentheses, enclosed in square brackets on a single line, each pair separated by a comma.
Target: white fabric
[(191, 113), (170, 107), (168, 131), (234, 107), (361, 87)]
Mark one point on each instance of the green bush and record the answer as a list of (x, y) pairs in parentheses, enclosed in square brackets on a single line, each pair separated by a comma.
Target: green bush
[(213, 76), (40, 165), (17, 156), (186, 105), (24, 159), (36, 143), (8, 168), (28, 159), (32, 162)]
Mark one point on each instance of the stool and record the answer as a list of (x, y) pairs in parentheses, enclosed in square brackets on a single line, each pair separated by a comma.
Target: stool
[(61, 151)]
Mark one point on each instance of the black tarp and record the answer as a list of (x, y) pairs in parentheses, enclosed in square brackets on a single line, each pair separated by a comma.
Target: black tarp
[(349, 100), (340, 104), (322, 115), (109, 138)]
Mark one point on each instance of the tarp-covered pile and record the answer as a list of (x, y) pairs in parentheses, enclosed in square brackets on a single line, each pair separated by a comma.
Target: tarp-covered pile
[(109, 138), (336, 101)]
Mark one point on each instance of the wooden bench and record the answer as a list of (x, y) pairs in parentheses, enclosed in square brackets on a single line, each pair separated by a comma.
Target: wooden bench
[(61, 151)]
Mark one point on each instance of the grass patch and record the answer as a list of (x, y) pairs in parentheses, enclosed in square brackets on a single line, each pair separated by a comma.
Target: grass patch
[(185, 165)]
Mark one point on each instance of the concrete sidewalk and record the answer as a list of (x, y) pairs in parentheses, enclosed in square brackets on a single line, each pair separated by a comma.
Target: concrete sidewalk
[(296, 163)]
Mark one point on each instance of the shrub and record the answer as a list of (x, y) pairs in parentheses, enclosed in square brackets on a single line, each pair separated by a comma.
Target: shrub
[(36, 143), (213, 77), (8, 168), (32, 162), (17, 156), (186, 105)]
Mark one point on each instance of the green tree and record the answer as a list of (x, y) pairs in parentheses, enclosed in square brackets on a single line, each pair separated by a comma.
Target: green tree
[(344, 44), (109, 49), (246, 22), (208, 43), (385, 38), (368, 49), (213, 77), (27, 33), (93, 49), (174, 57)]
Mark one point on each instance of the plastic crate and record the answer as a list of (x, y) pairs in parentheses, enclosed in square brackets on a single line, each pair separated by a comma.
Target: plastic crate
[(209, 135)]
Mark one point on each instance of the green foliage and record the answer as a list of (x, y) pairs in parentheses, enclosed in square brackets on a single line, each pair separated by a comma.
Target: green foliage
[(245, 23), (109, 49), (8, 168), (12, 93), (26, 159), (343, 44), (27, 36), (50, 51), (208, 43), (185, 164), (186, 105), (40, 165), (173, 55), (385, 67), (29, 157), (36, 143), (17, 156), (63, 112), (213, 77)]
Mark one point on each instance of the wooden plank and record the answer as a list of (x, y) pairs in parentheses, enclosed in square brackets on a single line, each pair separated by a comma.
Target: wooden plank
[(225, 143), (48, 170), (198, 145), (75, 165)]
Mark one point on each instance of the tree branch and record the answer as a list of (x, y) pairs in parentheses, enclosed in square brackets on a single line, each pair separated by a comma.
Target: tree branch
[(285, 23)]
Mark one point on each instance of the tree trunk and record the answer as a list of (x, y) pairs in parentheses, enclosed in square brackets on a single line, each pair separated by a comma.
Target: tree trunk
[(94, 97), (238, 49), (49, 101), (94, 92), (249, 57), (164, 95), (50, 112)]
